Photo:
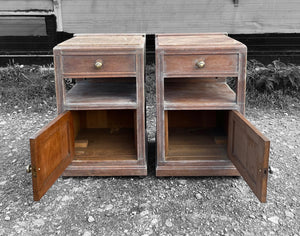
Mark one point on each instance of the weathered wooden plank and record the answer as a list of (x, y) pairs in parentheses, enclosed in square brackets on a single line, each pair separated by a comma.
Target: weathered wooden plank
[(26, 5), (22, 26), (169, 16)]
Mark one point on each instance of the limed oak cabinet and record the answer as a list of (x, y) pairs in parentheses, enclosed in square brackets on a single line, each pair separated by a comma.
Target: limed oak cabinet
[(100, 127), (201, 128)]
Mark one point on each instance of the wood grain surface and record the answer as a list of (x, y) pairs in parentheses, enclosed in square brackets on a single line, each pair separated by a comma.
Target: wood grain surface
[(106, 144), (185, 64), (104, 40), (85, 64)]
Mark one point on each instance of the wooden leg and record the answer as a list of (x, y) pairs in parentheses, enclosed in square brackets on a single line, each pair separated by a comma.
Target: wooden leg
[(166, 133)]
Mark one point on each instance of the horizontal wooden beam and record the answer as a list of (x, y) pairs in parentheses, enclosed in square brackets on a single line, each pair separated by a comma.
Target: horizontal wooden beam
[(26, 13)]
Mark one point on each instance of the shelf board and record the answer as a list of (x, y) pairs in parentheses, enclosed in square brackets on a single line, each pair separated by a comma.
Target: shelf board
[(106, 145), (192, 144), (181, 94), (92, 94)]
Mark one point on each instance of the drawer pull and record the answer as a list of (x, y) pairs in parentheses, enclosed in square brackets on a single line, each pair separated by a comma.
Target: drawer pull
[(98, 64), (200, 64)]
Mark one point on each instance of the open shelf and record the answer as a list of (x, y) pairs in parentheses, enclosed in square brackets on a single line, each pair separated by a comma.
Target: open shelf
[(102, 94), (189, 94)]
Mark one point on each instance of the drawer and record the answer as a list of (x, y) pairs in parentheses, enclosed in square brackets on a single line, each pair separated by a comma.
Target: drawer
[(98, 64), (201, 63)]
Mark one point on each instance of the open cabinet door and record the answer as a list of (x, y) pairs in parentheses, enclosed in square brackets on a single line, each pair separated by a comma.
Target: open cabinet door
[(52, 150), (248, 149)]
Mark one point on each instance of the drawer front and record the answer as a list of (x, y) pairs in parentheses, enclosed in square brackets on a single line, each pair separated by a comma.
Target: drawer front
[(94, 64), (201, 63)]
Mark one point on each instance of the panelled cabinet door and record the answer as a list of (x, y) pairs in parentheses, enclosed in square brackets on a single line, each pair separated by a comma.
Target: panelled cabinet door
[(52, 150), (248, 150)]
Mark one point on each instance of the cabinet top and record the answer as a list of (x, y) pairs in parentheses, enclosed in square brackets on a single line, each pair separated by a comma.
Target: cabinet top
[(200, 41), (104, 41)]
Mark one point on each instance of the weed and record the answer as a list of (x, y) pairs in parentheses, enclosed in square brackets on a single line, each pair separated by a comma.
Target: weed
[(275, 76), (275, 85)]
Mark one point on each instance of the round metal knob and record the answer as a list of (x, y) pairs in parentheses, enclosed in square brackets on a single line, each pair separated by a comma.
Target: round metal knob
[(28, 169), (200, 64), (98, 64)]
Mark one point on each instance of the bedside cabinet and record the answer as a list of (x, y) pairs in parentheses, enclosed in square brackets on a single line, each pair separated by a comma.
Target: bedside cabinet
[(201, 128), (100, 129)]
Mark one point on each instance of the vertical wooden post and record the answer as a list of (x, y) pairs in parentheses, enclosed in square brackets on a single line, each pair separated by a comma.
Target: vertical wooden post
[(59, 82), (160, 108), (241, 81), (166, 133), (140, 111), (58, 14)]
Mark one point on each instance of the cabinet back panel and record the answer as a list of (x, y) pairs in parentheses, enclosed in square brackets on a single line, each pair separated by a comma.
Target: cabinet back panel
[(191, 119), (104, 119)]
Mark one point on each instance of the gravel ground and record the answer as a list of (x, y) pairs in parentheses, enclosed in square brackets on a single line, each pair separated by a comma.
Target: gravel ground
[(151, 205)]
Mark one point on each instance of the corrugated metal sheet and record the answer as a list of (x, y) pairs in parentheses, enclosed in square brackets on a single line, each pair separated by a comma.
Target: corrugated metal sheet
[(153, 16), (157, 16)]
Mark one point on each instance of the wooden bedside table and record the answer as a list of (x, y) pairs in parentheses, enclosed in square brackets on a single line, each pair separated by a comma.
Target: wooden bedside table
[(201, 128), (100, 129)]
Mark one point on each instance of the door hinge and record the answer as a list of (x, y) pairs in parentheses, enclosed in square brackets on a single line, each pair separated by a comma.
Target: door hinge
[(31, 169)]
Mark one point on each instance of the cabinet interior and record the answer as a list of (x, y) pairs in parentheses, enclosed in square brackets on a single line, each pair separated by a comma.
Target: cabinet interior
[(196, 135), (105, 135)]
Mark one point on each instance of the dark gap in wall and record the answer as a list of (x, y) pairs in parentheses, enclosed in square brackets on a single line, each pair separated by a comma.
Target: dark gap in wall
[(269, 47), (263, 47)]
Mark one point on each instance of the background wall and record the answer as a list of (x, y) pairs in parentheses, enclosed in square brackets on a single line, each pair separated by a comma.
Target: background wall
[(21, 17), (270, 28), (157, 16)]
